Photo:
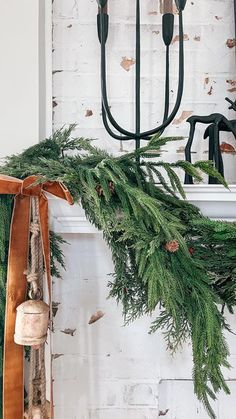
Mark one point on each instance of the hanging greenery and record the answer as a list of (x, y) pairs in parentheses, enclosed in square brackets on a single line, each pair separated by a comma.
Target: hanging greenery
[(167, 256)]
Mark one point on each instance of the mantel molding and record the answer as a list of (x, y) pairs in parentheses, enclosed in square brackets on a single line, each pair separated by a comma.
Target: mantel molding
[(215, 201)]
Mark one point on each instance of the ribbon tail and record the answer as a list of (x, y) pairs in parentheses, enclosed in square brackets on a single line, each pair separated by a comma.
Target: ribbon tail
[(44, 227), (13, 363), (59, 190)]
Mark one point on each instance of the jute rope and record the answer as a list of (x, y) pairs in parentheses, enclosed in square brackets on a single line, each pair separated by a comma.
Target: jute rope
[(37, 374)]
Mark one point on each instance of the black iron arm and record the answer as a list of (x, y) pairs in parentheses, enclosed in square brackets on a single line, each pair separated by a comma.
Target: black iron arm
[(109, 130), (103, 84), (180, 85), (169, 119)]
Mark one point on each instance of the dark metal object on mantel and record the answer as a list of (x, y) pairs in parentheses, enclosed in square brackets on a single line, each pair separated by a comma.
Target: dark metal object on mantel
[(114, 129), (218, 123)]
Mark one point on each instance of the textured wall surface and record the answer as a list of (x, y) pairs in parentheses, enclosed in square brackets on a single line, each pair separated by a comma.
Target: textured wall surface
[(104, 370), (107, 371), (210, 68), (19, 75)]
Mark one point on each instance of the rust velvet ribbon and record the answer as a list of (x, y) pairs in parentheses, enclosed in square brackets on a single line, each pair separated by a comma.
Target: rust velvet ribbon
[(13, 364)]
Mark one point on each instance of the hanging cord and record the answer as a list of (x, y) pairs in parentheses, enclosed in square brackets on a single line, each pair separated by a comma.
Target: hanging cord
[(31, 377), (37, 374), (43, 380), (35, 291), (42, 347)]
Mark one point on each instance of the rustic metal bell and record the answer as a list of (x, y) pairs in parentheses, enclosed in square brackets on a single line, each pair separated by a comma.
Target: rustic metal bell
[(36, 412), (32, 320)]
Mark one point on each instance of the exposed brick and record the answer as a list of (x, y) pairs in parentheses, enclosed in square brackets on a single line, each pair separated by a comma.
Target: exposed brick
[(108, 371)]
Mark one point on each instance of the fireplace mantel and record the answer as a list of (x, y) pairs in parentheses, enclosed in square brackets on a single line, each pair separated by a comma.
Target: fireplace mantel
[(215, 201)]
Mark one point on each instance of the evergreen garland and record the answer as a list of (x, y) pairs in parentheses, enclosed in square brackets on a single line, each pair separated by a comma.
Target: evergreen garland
[(165, 253), (213, 243)]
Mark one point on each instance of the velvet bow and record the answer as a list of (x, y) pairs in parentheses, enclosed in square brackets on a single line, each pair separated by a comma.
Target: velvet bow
[(13, 364)]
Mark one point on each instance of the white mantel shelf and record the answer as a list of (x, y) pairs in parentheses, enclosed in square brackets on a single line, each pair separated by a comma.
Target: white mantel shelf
[(215, 201)]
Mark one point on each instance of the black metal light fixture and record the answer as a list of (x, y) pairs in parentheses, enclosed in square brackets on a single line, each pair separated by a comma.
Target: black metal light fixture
[(114, 129)]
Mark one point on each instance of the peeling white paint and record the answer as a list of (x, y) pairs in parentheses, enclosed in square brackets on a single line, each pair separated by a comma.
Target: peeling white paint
[(104, 370), (77, 87)]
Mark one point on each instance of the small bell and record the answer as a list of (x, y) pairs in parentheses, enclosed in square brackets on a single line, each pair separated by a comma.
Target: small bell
[(37, 412), (32, 320)]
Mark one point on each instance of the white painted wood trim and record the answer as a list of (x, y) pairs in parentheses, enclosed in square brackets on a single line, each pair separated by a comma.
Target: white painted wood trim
[(73, 225), (45, 69), (48, 67), (215, 201), (210, 192), (19, 75)]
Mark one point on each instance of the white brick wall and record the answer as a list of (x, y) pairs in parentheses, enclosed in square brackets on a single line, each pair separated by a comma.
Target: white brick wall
[(209, 64), (104, 370)]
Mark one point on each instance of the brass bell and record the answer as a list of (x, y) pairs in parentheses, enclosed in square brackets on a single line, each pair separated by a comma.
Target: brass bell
[(32, 320)]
